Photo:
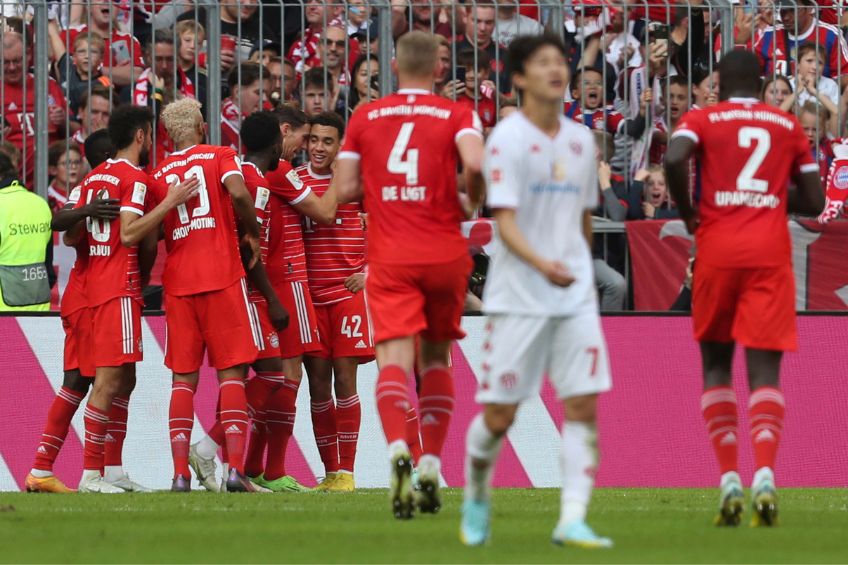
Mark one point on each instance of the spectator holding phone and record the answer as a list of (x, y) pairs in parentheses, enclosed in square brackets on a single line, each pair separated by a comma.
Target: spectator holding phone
[(366, 86), (477, 91)]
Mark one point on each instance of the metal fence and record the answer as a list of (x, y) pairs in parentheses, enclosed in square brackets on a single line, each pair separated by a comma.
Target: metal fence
[(637, 67)]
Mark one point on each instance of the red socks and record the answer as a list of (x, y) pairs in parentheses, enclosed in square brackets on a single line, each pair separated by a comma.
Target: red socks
[(234, 421), (718, 406), (766, 410), (348, 417), (392, 402), (435, 403), (281, 412), (326, 436), (413, 439), (258, 391), (116, 431), (181, 420), (56, 428), (96, 422)]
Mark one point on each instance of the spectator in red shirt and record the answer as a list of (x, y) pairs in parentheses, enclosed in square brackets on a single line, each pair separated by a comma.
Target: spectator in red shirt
[(122, 54), (95, 108), (478, 91), (64, 165), (248, 94)]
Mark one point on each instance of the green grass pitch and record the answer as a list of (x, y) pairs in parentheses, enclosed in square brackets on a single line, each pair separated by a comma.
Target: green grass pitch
[(648, 526)]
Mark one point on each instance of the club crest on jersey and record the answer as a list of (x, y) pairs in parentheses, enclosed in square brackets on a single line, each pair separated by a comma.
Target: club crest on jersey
[(840, 178), (274, 340), (496, 175), (558, 172), (576, 148), (508, 380)]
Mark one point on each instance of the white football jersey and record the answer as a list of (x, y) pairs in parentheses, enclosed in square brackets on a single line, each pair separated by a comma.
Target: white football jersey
[(549, 182)]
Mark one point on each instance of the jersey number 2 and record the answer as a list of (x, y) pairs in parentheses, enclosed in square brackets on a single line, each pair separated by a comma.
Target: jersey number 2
[(746, 181), (397, 163), (202, 207)]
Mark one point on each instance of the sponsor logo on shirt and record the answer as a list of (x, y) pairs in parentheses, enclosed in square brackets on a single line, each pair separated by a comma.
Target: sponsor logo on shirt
[(554, 188), (747, 199)]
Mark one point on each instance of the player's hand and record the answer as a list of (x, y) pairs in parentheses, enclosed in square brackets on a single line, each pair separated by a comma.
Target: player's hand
[(253, 242), (355, 283), (182, 192), (831, 211), (103, 208), (556, 273), (363, 220), (279, 316)]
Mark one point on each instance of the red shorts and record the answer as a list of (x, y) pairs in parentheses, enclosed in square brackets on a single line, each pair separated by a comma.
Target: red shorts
[(345, 329), (216, 321), (78, 354), (406, 300), (116, 332), (269, 341), (301, 335), (752, 307)]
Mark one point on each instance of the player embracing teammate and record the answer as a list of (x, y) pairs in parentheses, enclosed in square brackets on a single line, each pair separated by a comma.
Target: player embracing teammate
[(399, 158), (743, 289)]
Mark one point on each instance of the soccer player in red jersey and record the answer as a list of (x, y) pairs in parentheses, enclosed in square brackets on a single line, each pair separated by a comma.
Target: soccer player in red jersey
[(261, 136), (744, 289), (76, 321), (335, 260), (206, 304), (405, 148), (113, 278)]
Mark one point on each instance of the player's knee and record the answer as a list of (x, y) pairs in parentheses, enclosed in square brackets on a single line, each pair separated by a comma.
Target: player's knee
[(582, 408), (76, 382), (499, 418)]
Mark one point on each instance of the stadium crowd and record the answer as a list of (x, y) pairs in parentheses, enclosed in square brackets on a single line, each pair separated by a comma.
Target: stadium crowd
[(636, 68)]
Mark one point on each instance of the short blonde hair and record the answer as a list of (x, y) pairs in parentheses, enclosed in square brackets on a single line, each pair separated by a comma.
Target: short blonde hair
[(190, 25), (181, 119), (417, 54), (92, 39)]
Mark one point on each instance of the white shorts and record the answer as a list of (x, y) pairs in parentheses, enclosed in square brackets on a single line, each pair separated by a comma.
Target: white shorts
[(520, 350)]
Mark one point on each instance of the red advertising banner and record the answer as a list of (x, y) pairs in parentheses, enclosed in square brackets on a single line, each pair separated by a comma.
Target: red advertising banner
[(659, 252)]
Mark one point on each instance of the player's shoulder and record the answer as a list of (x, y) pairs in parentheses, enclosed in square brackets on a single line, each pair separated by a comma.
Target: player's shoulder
[(573, 130), (506, 128)]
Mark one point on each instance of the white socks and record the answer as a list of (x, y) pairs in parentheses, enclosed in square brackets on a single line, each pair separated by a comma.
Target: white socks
[(481, 452), (397, 447), (90, 474), (762, 474), (113, 472), (206, 448), (578, 460), (429, 465), (39, 474)]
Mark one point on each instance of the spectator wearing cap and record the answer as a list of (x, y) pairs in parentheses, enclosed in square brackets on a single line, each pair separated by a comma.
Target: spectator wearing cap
[(480, 31), (24, 239), (265, 50), (510, 24), (777, 48)]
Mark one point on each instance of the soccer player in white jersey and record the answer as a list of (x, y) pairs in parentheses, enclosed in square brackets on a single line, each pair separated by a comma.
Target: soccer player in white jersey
[(540, 297)]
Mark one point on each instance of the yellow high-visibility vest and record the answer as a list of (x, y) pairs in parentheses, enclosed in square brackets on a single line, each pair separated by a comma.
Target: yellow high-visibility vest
[(24, 235)]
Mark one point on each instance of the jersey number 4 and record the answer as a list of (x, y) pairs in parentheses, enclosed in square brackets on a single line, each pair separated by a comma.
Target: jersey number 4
[(202, 207), (747, 136), (404, 161)]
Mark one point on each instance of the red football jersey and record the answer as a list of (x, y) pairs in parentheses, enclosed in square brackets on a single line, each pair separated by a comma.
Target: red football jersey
[(231, 118), (602, 119), (257, 185), (485, 108), (334, 252), (747, 152), (73, 298), (20, 113), (406, 144), (778, 48), (200, 235), (112, 269), (118, 50), (287, 261)]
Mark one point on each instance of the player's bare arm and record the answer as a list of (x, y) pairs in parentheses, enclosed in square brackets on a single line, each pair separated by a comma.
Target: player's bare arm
[(147, 251), (677, 173), (135, 228), (259, 279), (808, 196), (346, 181), (100, 208), (322, 209), (470, 148), (243, 205), (587, 226), (511, 235)]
